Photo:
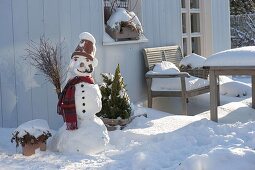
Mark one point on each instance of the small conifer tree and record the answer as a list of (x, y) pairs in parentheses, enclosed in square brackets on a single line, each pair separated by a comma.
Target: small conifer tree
[(115, 100)]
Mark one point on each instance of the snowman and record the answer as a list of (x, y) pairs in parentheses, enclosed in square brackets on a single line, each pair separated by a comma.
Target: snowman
[(80, 100)]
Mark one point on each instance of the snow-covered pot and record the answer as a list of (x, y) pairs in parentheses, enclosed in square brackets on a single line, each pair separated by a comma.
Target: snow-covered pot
[(32, 135), (28, 149)]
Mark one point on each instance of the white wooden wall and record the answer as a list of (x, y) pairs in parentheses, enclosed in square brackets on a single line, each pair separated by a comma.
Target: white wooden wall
[(221, 25), (25, 94)]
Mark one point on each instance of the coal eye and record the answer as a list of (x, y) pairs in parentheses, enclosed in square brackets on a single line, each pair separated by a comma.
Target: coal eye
[(87, 60), (75, 59)]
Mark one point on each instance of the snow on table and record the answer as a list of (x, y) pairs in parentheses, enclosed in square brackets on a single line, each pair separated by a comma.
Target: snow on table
[(244, 56), (34, 127)]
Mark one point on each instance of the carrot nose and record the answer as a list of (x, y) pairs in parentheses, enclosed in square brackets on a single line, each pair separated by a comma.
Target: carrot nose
[(81, 64)]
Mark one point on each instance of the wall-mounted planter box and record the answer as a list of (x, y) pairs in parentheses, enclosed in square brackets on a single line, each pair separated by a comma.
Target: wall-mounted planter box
[(126, 33)]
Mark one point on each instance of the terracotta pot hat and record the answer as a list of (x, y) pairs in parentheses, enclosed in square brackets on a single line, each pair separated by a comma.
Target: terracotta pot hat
[(86, 47)]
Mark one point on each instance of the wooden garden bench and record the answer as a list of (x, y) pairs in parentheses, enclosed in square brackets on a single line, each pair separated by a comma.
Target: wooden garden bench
[(174, 55)]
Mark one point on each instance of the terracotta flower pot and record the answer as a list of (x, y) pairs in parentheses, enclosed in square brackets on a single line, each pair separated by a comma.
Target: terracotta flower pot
[(42, 146), (29, 149)]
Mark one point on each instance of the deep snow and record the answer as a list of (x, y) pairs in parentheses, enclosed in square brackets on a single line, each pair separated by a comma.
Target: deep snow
[(161, 141)]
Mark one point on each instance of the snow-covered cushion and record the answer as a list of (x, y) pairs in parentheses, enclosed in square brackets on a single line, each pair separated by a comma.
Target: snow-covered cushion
[(165, 67), (193, 60), (173, 84)]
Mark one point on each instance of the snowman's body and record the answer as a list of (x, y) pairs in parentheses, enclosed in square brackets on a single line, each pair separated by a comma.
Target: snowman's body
[(87, 100), (91, 135)]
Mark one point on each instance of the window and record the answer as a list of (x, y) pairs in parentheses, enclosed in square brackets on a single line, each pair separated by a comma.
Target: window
[(191, 26), (129, 31)]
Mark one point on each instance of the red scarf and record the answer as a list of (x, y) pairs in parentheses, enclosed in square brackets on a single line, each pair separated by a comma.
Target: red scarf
[(66, 103)]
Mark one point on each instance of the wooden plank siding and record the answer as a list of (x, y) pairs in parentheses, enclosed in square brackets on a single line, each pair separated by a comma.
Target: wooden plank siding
[(220, 25), (22, 68), (24, 92), (8, 76)]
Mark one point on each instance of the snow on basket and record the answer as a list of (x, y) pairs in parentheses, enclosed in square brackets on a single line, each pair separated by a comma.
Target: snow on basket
[(32, 135), (243, 56), (124, 25), (193, 64)]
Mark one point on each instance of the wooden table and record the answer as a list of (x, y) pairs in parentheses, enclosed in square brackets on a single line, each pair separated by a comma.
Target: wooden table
[(214, 72)]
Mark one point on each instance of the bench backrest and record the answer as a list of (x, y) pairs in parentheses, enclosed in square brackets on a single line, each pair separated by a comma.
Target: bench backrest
[(159, 54)]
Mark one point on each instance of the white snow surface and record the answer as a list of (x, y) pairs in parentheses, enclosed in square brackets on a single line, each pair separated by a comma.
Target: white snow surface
[(174, 84), (243, 56), (34, 127), (160, 141), (235, 89), (193, 60), (166, 84)]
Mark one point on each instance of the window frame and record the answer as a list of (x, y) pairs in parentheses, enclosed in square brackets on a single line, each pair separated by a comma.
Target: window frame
[(188, 11)]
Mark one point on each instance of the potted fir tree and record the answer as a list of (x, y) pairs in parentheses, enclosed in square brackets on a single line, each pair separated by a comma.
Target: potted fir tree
[(116, 109)]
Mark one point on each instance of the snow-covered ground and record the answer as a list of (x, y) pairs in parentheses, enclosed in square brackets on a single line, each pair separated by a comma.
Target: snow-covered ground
[(163, 140)]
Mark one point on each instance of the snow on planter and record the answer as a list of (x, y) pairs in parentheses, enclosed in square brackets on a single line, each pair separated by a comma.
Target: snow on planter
[(123, 25), (244, 56), (32, 135)]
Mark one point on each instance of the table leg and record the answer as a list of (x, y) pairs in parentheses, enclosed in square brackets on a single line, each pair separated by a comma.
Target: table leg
[(213, 96), (218, 90), (253, 90)]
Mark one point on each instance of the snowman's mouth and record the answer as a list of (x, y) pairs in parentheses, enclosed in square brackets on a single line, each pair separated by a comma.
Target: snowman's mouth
[(86, 70)]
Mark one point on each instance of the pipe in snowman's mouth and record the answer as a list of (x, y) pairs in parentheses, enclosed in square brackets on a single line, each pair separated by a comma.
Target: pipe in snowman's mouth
[(86, 70)]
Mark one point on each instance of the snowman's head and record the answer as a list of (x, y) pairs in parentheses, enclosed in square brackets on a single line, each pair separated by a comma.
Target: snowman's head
[(82, 66), (83, 59)]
